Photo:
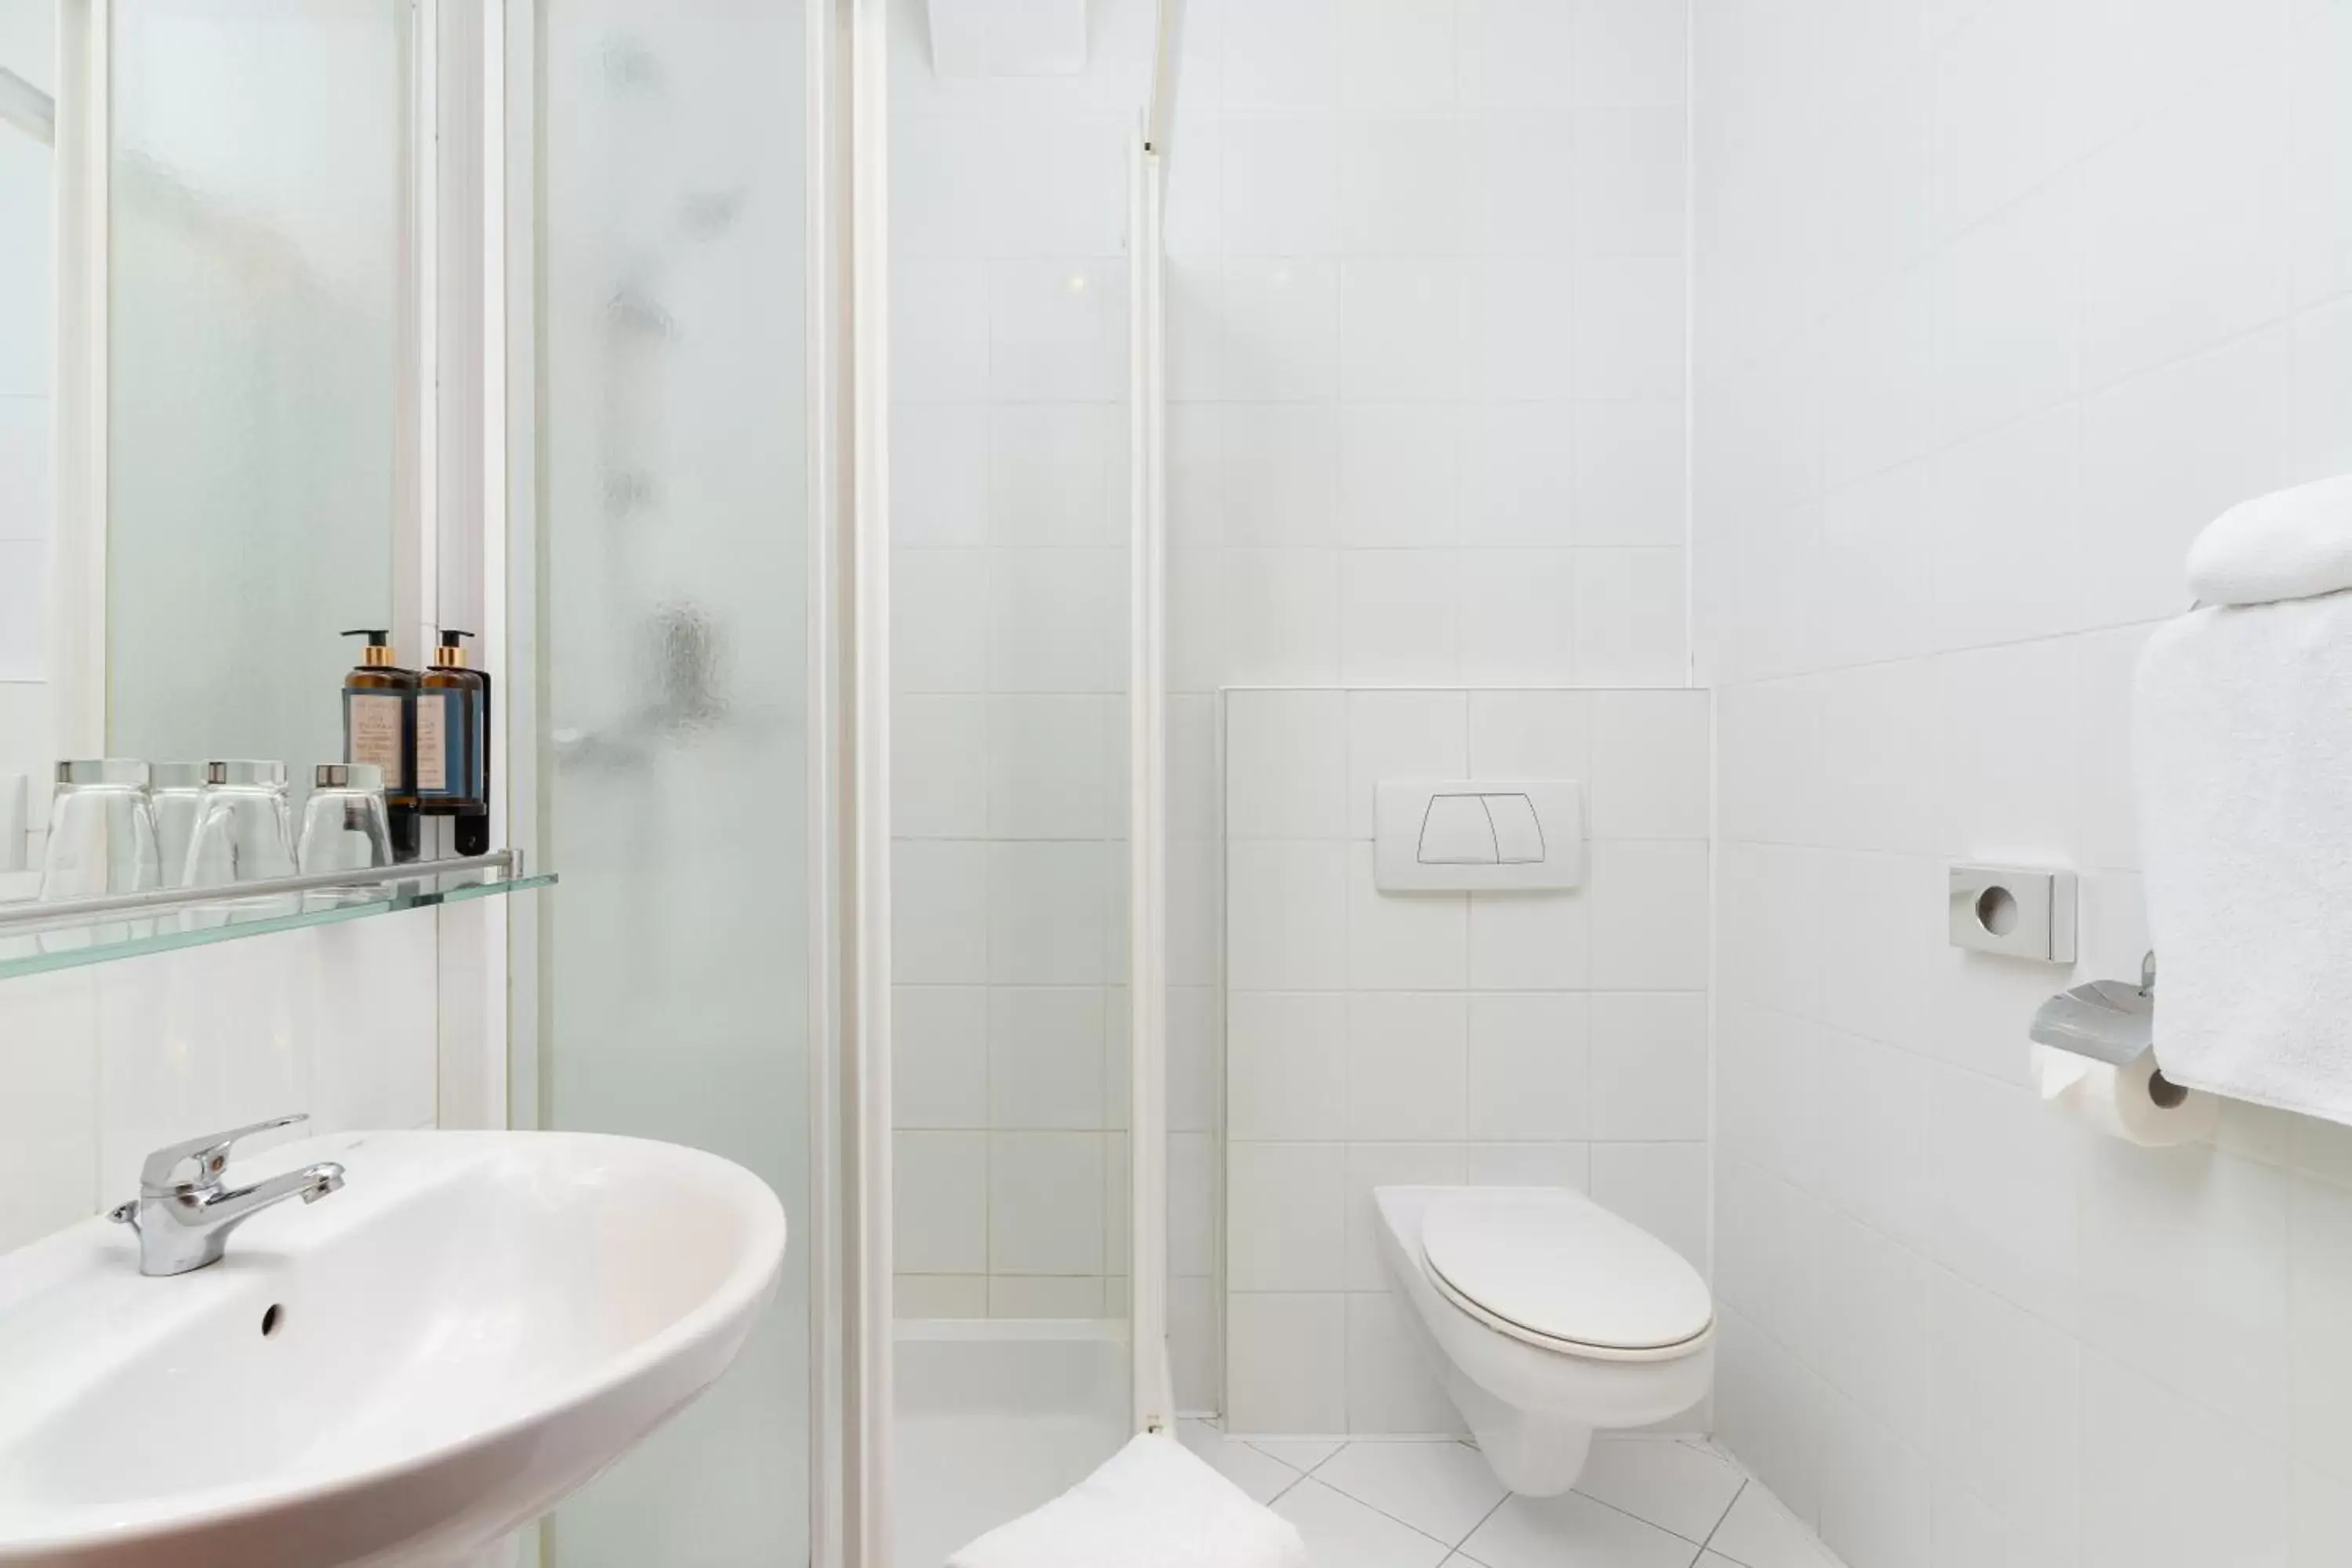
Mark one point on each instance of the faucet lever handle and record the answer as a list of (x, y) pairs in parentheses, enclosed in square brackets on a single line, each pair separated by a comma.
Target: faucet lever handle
[(208, 1154)]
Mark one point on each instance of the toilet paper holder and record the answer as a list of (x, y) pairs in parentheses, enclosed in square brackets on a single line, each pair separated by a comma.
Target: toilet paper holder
[(2109, 1021)]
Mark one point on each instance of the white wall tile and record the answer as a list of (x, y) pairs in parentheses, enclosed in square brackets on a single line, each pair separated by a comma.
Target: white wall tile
[(1630, 618), (1374, 1165), (1531, 1070), (1519, 616), (1281, 616), (1400, 735), (939, 620), (938, 1057), (1281, 473), (1288, 1053), (1050, 626), (1511, 52), (1287, 764), (1649, 1068), (1391, 1385), (1399, 327), (1401, 465), (940, 474), (1628, 472), (1519, 329), (1627, 52), (940, 1200), (1285, 1223), (1399, 185), (1530, 734), (1652, 773), (2140, 1440), (1399, 616), (1046, 1202), (1649, 916), (1403, 941), (49, 1117), (1045, 1058), (1408, 1063), (1054, 470), (1286, 927), (1529, 941), (937, 788), (1277, 326), (1286, 1364), (1396, 54), (1283, 55), (1627, 341), (1662, 1188), (1048, 905), (1056, 328), (1281, 185), (2187, 224)]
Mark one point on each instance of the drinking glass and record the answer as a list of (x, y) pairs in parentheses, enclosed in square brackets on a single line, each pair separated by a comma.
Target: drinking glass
[(102, 832), (177, 792), (244, 832), (345, 826)]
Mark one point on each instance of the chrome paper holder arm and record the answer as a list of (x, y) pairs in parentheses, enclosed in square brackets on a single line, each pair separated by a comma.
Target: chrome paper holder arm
[(2109, 1021)]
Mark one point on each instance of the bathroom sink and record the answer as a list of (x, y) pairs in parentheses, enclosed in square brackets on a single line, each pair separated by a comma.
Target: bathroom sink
[(402, 1372)]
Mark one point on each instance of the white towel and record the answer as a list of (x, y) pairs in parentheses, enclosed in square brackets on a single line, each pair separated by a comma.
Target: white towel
[(1153, 1505), (2242, 737), (2293, 544)]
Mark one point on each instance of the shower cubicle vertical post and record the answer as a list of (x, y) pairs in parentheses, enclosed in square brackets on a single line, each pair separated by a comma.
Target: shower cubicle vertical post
[(1154, 1399)]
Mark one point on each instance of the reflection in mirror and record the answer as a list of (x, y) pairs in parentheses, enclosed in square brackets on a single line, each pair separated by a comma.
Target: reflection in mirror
[(28, 190), (256, 200)]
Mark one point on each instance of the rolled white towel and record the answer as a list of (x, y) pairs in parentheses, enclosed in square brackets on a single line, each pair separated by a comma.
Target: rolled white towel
[(1153, 1505), (2291, 544)]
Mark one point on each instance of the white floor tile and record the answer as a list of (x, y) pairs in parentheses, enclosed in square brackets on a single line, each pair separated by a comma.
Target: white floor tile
[(1343, 1533), (1760, 1533), (1709, 1560), (1443, 1489), (1669, 1484), (1261, 1475), (1301, 1454), (1573, 1531)]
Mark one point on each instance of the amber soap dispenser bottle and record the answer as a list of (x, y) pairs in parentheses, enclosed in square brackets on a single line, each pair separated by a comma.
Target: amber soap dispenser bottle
[(380, 727), (453, 752)]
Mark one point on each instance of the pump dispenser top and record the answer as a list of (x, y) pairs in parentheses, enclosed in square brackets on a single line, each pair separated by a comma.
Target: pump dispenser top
[(378, 654)]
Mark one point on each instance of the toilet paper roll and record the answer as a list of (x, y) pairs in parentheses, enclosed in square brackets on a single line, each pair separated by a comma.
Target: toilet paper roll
[(2123, 1103)]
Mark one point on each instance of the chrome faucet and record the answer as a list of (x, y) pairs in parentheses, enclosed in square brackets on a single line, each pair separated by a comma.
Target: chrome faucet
[(184, 1211)]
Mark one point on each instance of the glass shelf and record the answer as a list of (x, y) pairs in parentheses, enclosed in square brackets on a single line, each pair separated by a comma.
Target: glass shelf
[(36, 939)]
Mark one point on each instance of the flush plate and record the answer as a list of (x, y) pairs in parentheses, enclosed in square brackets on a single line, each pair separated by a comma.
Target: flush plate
[(2017, 911), (1459, 834)]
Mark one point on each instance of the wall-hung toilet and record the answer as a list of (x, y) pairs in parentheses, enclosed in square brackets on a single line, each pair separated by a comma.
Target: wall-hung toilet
[(1546, 1316)]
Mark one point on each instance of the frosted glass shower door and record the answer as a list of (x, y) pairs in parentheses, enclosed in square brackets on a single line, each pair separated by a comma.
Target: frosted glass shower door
[(672, 231)]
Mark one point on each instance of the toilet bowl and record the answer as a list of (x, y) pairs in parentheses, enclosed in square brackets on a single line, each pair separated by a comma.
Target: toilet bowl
[(1548, 1317)]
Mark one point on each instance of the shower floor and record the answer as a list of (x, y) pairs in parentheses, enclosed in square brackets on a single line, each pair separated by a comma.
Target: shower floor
[(995, 1418)]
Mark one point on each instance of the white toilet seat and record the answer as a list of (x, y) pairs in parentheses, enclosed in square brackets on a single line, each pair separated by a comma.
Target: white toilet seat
[(1552, 1268)]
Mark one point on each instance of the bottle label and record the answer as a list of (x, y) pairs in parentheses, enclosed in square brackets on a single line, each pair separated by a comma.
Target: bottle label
[(372, 723), (433, 745)]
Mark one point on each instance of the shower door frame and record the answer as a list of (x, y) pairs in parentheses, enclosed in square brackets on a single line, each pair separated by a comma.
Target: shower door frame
[(846, 1493)]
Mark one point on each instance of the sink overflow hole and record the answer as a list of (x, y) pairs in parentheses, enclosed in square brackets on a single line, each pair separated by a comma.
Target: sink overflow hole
[(271, 1319)]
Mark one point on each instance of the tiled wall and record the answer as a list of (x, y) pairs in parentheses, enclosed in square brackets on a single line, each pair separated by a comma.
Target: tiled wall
[(1009, 522), (26, 321), (102, 1065), (1997, 304), (1426, 343), (1552, 1038)]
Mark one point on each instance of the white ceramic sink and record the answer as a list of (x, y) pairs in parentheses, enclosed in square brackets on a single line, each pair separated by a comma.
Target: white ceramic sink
[(472, 1327)]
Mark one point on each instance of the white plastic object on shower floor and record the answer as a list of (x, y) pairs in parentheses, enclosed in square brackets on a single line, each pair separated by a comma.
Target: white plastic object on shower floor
[(1008, 37), (1153, 1505)]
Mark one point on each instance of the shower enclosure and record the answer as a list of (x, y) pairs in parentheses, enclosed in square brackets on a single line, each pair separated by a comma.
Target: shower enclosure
[(835, 496)]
